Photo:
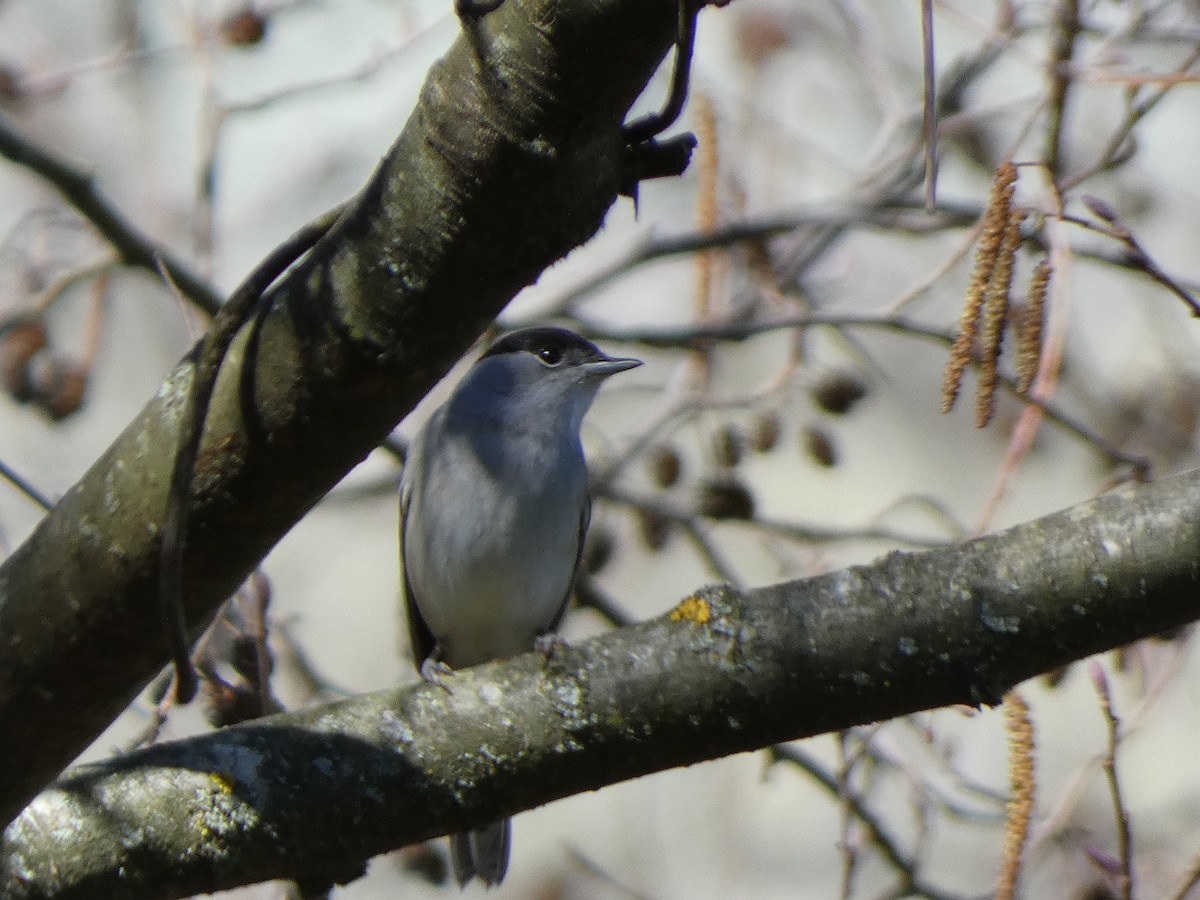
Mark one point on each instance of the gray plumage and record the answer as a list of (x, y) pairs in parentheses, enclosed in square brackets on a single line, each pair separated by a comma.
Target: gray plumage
[(494, 508)]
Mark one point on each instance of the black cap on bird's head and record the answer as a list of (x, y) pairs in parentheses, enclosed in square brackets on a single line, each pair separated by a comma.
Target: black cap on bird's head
[(558, 347)]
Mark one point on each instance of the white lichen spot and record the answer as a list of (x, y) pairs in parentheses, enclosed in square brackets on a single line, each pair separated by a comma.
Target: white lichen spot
[(219, 813), (861, 678), (109, 499), (907, 646), (86, 527), (844, 584), (570, 745), (1111, 547), (998, 624), (174, 387), (395, 729), (491, 693), (51, 814), (567, 697), (244, 765)]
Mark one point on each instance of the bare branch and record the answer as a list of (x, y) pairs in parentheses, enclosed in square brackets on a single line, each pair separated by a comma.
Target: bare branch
[(1124, 836), (724, 672), (134, 246)]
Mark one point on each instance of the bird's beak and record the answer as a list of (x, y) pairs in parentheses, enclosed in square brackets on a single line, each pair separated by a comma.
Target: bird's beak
[(610, 365)]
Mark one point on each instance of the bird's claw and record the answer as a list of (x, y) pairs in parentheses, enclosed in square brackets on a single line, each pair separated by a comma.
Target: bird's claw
[(549, 645), (437, 673)]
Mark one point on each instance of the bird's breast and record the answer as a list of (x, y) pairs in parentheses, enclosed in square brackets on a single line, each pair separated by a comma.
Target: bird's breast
[(494, 555)]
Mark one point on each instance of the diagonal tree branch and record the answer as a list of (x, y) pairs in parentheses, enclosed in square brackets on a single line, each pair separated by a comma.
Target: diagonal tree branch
[(724, 672), (511, 158)]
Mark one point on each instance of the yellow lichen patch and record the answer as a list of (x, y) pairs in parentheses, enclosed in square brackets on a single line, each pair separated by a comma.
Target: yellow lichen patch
[(223, 782), (693, 609)]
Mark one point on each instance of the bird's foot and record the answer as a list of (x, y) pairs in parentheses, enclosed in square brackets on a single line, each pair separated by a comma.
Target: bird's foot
[(549, 645), (437, 673)]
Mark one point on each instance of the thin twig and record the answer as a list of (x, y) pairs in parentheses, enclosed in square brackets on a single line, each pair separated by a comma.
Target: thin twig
[(1137, 256), (929, 97), (686, 517), (94, 324), (595, 870), (1124, 837), (1117, 149), (293, 654), (927, 780), (887, 846), (135, 247), (741, 331), (708, 165), (849, 854), (1190, 880), (47, 296), (1053, 825), (9, 474), (204, 377), (896, 215), (589, 594), (650, 126), (1062, 51)]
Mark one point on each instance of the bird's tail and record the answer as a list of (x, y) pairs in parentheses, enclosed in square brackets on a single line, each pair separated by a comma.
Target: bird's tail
[(482, 852)]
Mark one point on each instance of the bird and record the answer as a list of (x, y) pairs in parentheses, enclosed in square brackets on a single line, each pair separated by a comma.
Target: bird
[(494, 509)]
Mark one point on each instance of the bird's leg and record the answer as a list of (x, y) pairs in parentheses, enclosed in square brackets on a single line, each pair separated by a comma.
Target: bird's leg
[(436, 671)]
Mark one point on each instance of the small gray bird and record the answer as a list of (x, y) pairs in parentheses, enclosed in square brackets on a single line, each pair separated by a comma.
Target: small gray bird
[(494, 507)]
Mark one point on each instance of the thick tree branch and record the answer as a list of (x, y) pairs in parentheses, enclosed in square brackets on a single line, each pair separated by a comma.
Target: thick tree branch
[(511, 158), (722, 673)]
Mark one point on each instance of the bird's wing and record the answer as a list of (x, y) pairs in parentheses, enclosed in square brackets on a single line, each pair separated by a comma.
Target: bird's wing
[(419, 634), (585, 518)]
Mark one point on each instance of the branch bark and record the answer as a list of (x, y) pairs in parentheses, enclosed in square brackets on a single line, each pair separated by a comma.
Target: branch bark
[(724, 672), (511, 158)]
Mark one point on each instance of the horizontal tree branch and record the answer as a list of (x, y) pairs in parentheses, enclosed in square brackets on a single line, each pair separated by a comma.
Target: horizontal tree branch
[(724, 672), (511, 158)]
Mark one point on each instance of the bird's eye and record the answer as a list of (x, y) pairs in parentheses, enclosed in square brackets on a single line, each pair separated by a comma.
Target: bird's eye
[(551, 356)]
